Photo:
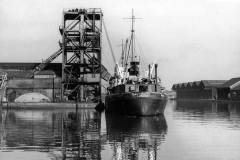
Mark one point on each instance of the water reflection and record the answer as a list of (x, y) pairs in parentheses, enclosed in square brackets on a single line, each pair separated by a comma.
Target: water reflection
[(63, 134), (202, 130), (189, 130), (208, 109), (136, 138), (223, 114)]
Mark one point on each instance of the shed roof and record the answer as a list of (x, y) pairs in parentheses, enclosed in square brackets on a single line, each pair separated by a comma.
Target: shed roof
[(202, 83), (213, 83), (178, 85), (182, 85), (190, 84), (14, 74), (196, 83), (231, 82)]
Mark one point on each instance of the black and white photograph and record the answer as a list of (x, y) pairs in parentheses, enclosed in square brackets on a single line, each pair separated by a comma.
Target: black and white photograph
[(119, 79)]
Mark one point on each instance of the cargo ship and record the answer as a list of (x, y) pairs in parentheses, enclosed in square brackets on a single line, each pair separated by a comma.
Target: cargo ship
[(129, 92)]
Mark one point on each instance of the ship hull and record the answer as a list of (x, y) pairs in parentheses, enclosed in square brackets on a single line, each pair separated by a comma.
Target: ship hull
[(129, 104)]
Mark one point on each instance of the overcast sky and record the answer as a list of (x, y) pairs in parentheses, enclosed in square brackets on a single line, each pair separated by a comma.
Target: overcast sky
[(190, 39)]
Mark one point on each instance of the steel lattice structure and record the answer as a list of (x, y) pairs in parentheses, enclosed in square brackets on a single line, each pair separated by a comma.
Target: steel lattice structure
[(81, 54)]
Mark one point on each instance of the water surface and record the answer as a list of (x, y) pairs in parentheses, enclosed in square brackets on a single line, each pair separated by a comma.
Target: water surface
[(189, 130)]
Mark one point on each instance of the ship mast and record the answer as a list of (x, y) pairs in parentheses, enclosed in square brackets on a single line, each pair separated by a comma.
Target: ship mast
[(122, 57), (131, 44), (132, 34)]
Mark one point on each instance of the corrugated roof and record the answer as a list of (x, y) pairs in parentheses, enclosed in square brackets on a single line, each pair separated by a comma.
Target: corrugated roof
[(182, 85), (13, 66), (196, 83), (213, 83), (203, 83), (17, 74), (231, 82)]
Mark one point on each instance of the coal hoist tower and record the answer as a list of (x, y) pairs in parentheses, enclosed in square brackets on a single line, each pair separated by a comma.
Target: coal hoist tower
[(81, 54)]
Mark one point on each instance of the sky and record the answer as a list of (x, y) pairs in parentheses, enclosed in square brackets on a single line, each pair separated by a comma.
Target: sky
[(189, 39)]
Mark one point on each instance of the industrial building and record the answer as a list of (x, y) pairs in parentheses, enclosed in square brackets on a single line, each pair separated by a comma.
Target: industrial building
[(46, 82), (209, 89)]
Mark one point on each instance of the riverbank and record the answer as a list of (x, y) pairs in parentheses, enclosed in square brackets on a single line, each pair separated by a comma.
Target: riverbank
[(29, 105), (208, 100)]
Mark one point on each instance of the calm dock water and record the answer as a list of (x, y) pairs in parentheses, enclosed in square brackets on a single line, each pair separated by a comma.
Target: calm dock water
[(188, 131)]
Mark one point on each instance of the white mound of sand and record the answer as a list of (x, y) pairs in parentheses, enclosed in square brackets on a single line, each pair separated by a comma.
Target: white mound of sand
[(32, 97)]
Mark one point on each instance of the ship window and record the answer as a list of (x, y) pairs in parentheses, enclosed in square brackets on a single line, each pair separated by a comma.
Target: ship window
[(143, 88)]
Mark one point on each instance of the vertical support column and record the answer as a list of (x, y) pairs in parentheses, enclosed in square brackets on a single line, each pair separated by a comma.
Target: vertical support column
[(100, 58), (64, 59), (81, 56)]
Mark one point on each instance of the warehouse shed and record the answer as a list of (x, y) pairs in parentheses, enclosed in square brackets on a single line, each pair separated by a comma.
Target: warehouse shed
[(204, 89)]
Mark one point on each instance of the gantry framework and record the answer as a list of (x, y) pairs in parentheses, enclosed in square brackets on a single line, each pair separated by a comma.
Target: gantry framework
[(81, 54)]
